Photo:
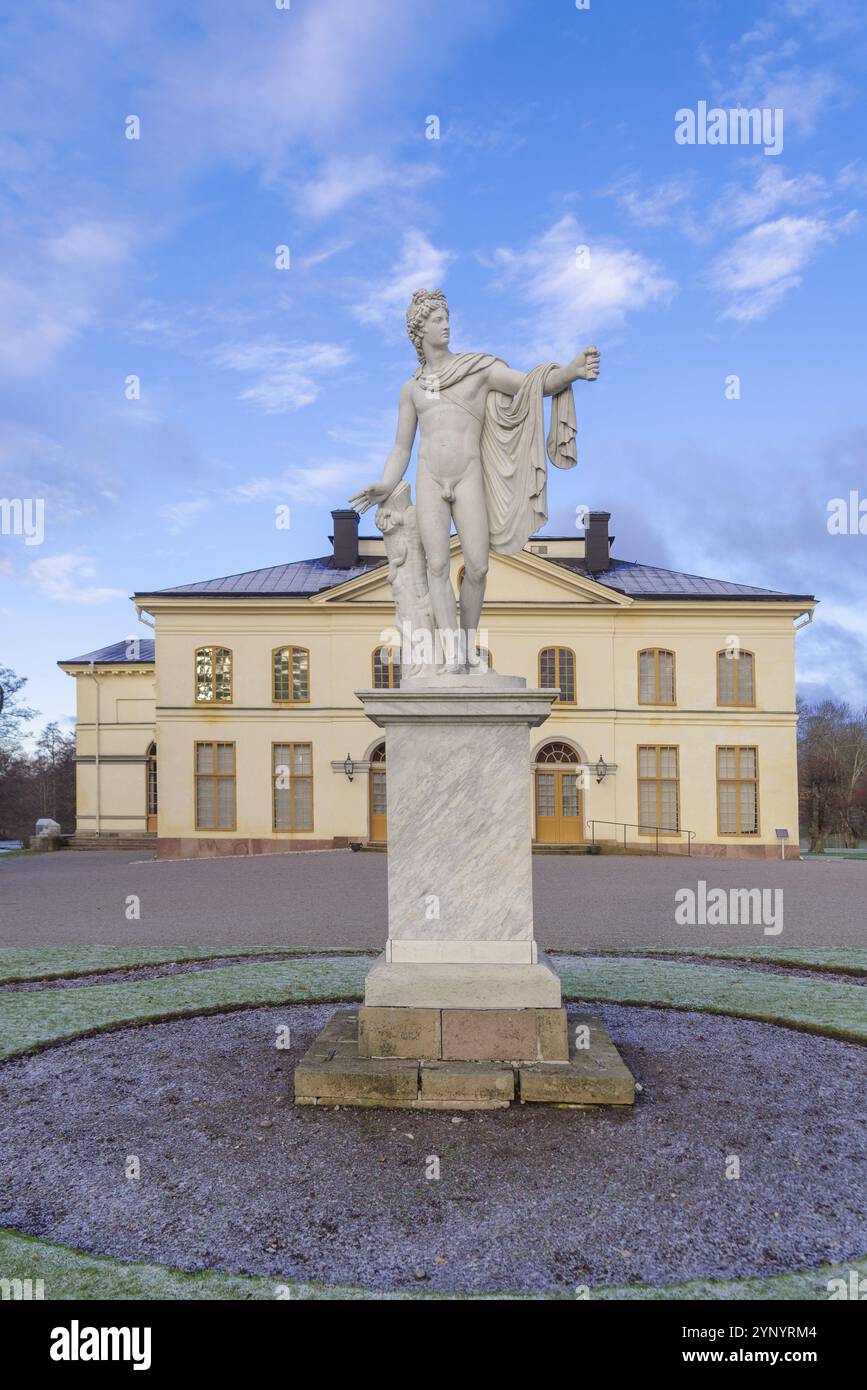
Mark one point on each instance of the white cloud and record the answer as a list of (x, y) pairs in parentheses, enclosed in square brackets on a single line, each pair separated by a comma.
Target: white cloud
[(766, 262), (287, 376), (572, 301), (421, 264), (658, 206), (54, 287), (317, 482), (342, 180), (62, 578), (180, 515), (255, 84), (769, 193)]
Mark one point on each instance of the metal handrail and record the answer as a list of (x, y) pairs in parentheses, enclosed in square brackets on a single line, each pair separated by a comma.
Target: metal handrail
[(633, 825)]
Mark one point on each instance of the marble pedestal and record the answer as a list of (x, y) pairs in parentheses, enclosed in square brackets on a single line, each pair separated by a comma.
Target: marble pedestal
[(462, 1011), (460, 888)]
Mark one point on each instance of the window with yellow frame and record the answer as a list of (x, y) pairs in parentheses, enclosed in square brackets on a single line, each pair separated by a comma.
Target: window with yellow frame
[(213, 675), (658, 788), (656, 677), (385, 666), (290, 676), (557, 668), (215, 786), (292, 786), (737, 790), (735, 677)]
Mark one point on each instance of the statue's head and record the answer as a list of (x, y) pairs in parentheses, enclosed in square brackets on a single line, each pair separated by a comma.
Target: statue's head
[(423, 305)]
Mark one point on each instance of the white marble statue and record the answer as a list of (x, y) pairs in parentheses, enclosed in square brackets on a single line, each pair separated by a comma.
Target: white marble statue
[(481, 458)]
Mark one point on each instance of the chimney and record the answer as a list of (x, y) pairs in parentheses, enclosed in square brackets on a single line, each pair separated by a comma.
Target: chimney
[(597, 552), (345, 539)]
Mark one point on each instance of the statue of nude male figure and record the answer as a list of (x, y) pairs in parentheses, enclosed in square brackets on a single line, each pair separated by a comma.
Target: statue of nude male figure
[(446, 400)]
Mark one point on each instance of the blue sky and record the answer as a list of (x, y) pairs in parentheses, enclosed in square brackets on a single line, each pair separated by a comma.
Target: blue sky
[(307, 127)]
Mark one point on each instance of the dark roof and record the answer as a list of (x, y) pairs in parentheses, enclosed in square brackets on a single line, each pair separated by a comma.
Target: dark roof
[(116, 654), (300, 579), (649, 581)]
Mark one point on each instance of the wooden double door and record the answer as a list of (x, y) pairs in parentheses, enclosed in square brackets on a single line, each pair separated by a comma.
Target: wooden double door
[(559, 796)]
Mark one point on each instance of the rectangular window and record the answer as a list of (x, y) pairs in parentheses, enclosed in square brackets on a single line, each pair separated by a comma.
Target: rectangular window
[(658, 788), (292, 776), (656, 678), (215, 786), (737, 784)]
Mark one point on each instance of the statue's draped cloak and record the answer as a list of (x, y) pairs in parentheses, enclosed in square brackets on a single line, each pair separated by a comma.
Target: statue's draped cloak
[(513, 446)]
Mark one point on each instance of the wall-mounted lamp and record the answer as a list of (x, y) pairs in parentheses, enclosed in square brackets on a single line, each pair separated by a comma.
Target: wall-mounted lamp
[(601, 769), (348, 766)]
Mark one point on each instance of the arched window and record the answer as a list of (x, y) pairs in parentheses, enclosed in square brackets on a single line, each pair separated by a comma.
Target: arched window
[(557, 752), (290, 676), (213, 675), (735, 677), (557, 668), (656, 677), (385, 663)]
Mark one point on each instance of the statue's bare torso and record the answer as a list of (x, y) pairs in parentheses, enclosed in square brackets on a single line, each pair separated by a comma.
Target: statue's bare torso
[(449, 484)]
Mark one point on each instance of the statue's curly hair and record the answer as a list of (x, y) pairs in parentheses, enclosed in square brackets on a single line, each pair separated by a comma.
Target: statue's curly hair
[(421, 306)]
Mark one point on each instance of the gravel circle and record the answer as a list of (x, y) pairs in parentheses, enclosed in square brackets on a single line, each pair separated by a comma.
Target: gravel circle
[(234, 1177)]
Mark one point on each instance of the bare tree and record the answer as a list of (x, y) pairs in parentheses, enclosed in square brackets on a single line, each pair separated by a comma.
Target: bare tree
[(832, 769)]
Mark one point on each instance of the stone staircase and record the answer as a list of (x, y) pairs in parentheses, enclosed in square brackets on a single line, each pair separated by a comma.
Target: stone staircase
[(113, 840)]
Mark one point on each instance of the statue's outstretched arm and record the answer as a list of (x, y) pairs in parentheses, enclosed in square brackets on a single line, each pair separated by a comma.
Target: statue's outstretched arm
[(504, 378), (584, 367), (398, 460)]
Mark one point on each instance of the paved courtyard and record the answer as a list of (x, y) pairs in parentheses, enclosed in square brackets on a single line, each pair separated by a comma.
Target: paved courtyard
[(337, 898)]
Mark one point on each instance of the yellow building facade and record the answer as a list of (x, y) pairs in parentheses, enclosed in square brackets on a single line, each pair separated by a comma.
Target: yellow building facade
[(237, 729)]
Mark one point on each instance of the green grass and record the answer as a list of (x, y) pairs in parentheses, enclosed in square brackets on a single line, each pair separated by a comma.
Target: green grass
[(814, 1006), (72, 1274), (848, 960), (19, 964), (33, 1019), (22, 963)]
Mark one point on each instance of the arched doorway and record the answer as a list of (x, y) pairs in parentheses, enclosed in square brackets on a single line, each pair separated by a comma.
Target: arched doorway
[(151, 776), (559, 800), (378, 795)]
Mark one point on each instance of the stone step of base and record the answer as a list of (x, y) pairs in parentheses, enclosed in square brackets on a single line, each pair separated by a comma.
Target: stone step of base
[(112, 842), (332, 1073)]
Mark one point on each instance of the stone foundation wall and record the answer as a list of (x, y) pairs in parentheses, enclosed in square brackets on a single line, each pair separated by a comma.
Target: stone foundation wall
[(201, 847)]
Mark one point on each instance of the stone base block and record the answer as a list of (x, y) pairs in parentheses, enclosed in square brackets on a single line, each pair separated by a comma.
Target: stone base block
[(464, 1035), (333, 1072), (475, 1083), (510, 1035), (384, 1032), (466, 986), (595, 1073)]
